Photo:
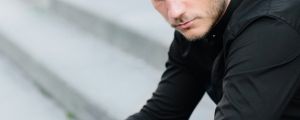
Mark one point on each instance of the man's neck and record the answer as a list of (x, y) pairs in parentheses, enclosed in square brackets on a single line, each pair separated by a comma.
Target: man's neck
[(227, 2)]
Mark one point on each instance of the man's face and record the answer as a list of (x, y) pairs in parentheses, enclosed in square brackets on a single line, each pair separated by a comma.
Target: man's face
[(193, 18)]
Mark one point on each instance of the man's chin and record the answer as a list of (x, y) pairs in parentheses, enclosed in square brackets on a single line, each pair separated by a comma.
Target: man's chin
[(192, 36)]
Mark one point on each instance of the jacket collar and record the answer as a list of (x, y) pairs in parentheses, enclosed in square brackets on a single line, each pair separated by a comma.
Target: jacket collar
[(220, 27)]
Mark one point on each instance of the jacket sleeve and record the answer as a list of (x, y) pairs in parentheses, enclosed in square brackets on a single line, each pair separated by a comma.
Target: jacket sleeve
[(177, 94), (262, 72)]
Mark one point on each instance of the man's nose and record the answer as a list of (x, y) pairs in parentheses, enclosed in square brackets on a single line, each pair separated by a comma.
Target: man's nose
[(175, 9)]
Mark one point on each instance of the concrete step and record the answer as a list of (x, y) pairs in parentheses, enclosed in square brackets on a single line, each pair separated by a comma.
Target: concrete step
[(86, 75), (132, 26), (20, 99)]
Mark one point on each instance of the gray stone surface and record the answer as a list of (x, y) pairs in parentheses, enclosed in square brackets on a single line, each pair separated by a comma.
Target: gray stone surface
[(20, 99), (135, 20)]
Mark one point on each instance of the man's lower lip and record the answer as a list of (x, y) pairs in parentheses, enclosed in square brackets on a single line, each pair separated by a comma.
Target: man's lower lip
[(185, 25)]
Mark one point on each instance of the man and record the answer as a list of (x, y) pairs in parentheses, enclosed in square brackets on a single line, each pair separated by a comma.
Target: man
[(244, 53)]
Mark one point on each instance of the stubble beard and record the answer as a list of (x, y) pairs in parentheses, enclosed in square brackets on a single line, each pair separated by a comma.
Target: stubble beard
[(217, 11)]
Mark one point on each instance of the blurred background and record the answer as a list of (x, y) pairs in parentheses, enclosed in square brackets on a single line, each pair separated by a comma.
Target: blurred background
[(83, 60)]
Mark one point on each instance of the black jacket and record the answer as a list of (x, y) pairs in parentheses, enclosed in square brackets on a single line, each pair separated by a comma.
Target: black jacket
[(249, 64)]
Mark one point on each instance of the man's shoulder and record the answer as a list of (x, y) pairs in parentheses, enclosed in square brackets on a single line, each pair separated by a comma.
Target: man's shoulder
[(262, 15), (249, 11)]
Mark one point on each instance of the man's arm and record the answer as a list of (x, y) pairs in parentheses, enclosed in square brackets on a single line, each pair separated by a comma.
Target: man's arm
[(262, 72), (178, 91)]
